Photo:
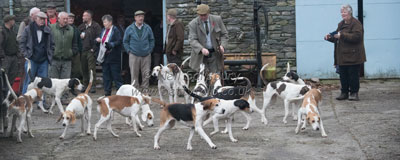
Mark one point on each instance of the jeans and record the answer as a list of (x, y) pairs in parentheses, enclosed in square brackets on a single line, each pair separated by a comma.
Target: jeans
[(37, 70), (111, 72)]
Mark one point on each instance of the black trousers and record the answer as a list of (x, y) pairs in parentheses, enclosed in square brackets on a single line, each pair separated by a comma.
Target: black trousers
[(350, 78)]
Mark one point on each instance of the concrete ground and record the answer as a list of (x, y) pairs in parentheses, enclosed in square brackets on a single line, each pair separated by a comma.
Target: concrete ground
[(367, 129)]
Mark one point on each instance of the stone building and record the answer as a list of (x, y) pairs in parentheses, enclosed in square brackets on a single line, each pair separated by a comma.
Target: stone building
[(237, 16)]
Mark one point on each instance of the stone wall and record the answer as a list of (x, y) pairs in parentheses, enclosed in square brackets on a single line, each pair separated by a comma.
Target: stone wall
[(21, 7), (238, 18)]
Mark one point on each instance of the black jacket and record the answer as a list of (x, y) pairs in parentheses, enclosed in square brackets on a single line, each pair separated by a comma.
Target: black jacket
[(113, 55)]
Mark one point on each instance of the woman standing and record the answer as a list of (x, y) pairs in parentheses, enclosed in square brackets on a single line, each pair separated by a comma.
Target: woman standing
[(349, 52), (109, 54)]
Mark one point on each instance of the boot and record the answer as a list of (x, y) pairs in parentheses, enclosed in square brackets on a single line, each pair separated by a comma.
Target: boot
[(353, 97), (342, 96)]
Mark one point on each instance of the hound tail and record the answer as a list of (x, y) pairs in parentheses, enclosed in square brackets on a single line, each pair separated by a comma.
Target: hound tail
[(248, 86), (90, 82), (200, 98), (163, 104), (28, 70), (184, 62), (288, 67), (262, 71), (133, 82), (8, 84)]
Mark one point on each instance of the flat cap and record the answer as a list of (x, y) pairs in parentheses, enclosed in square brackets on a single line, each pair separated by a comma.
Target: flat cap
[(203, 9), (51, 5), (8, 18), (41, 15), (71, 15), (139, 12), (172, 12)]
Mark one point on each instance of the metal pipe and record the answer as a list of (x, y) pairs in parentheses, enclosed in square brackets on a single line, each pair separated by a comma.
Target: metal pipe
[(11, 7), (68, 6)]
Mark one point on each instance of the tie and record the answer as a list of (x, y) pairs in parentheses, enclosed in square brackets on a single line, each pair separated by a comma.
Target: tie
[(206, 23)]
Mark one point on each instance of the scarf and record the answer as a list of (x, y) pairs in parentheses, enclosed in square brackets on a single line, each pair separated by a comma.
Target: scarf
[(102, 50)]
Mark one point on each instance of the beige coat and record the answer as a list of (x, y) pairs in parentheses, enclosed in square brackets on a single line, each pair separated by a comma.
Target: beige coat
[(197, 38)]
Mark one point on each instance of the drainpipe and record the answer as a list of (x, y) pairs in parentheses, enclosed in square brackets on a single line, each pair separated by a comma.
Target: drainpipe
[(11, 7)]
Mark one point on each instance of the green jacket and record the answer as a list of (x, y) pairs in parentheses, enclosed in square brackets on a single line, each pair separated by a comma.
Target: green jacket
[(65, 40), (8, 42)]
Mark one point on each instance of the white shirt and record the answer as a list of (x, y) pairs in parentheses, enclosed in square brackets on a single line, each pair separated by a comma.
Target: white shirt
[(39, 35), (208, 42), (140, 27)]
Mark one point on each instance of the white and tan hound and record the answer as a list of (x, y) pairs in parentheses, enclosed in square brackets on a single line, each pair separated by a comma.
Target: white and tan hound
[(79, 108), (310, 109)]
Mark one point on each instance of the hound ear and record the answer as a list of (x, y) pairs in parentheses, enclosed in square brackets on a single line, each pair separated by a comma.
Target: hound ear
[(73, 118), (143, 116), (61, 116), (71, 83), (161, 65)]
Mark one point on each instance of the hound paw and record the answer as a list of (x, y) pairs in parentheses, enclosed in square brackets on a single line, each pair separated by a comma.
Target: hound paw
[(294, 118), (82, 134), (285, 121), (50, 112), (19, 140), (303, 128), (138, 135), (214, 132), (324, 135), (61, 137), (88, 133), (224, 132), (296, 130), (189, 148), (156, 147), (245, 128), (213, 146), (31, 135), (234, 140), (94, 138)]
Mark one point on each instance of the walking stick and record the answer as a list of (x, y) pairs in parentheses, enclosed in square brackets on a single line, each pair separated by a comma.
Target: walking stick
[(222, 60)]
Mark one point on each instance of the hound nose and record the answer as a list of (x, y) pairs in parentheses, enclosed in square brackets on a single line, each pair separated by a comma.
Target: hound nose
[(223, 111), (317, 129), (151, 125), (64, 125)]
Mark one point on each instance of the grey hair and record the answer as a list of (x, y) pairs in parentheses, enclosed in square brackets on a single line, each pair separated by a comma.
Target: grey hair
[(34, 9), (348, 8), (62, 14), (107, 17)]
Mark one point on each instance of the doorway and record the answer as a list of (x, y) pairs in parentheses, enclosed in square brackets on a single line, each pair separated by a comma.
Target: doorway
[(123, 9)]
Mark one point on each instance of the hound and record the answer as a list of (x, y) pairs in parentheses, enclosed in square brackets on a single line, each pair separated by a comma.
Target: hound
[(190, 115), (309, 108), (147, 115), (21, 108), (171, 78), (200, 88), (229, 108), (127, 106), (289, 92), (53, 87), (79, 108), (234, 92)]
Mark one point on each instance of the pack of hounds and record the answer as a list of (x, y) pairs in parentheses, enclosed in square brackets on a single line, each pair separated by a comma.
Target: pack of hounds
[(210, 101)]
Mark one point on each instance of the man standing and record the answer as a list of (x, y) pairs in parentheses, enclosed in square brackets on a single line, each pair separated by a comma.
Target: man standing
[(51, 14), (76, 71), (65, 47), (207, 34), (175, 38), (9, 48), (89, 31), (38, 46), (27, 21), (9, 61), (139, 43)]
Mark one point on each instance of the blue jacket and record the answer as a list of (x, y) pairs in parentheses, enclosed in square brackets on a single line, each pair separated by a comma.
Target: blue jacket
[(139, 46), (113, 55)]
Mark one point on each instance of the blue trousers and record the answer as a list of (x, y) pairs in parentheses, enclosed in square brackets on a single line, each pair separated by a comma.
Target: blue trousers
[(111, 72), (37, 70)]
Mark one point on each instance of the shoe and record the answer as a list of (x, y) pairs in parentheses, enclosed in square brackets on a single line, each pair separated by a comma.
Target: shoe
[(353, 97), (342, 96), (92, 90)]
